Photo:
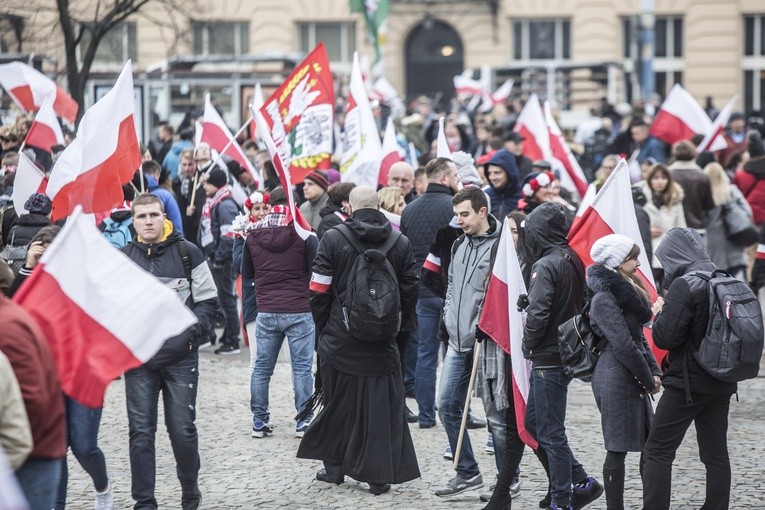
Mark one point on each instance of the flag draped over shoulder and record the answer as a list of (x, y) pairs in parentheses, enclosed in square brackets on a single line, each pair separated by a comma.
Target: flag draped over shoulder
[(29, 88), (501, 320), (300, 114), (101, 313), (105, 154), (612, 211), (375, 14)]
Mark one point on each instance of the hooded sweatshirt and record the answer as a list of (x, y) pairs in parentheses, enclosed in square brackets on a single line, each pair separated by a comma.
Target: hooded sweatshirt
[(504, 200)]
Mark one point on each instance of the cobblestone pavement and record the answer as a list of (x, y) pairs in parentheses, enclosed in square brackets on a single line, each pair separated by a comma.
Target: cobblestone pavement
[(240, 472)]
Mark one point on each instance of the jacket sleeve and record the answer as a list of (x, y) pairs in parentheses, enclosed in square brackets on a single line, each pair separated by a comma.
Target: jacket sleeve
[(204, 294), (248, 270), (236, 254), (321, 284), (541, 293), (15, 433), (226, 212), (673, 326), (407, 284), (311, 247), (653, 365), (608, 319), (173, 212)]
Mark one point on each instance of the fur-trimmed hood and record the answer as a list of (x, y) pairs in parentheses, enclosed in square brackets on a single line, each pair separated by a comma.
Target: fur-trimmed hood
[(602, 279)]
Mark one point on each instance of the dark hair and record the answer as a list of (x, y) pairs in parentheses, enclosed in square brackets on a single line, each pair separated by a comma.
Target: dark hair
[(339, 192), (669, 193), (476, 196), (278, 196), (249, 144), (146, 199), (684, 151), (437, 166), (420, 171), (46, 234), (151, 168)]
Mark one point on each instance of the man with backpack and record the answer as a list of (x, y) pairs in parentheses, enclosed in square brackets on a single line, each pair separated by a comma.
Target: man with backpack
[(703, 310), (363, 292)]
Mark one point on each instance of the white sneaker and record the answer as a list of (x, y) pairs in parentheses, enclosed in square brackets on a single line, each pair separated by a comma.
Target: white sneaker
[(105, 499)]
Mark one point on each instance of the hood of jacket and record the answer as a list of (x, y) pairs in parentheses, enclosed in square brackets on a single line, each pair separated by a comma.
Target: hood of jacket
[(682, 250), (506, 161), (274, 239), (603, 279), (370, 225), (544, 228), (756, 167), (330, 208)]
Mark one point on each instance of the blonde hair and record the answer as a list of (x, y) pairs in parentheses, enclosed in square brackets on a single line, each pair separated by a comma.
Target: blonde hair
[(389, 197), (719, 182)]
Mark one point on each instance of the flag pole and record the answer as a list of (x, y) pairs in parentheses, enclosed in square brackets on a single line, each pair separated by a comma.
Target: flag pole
[(233, 139), (476, 356), (194, 188)]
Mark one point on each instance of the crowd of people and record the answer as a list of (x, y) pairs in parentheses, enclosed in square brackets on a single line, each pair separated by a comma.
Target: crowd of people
[(425, 243)]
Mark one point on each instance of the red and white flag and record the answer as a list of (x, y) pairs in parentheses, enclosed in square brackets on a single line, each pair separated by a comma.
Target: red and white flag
[(716, 130), (29, 88), (216, 133), (531, 125), (105, 154), (503, 92), (501, 320), (612, 211), (442, 146), (101, 313), (573, 178), (681, 118), (28, 181), (302, 227), (390, 153), (362, 150), (468, 86), (45, 131)]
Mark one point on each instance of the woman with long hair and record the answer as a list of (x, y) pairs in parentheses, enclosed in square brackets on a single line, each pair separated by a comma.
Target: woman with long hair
[(724, 254), (664, 205), (392, 203), (627, 373)]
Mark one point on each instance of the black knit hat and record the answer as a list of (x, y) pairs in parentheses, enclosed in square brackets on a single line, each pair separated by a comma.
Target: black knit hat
[(217, 178), (38, 204)]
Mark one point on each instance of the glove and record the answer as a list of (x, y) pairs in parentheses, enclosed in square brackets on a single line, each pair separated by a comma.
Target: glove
[(480, 335), (523, 302), (758, 275)]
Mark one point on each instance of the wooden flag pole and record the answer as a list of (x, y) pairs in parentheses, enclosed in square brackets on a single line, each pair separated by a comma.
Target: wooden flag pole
[(476, 357)]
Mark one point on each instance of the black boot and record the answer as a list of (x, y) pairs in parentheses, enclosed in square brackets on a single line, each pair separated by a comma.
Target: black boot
[(613, 480)]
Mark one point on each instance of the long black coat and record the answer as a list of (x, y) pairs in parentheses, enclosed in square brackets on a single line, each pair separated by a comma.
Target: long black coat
[(626, 367)]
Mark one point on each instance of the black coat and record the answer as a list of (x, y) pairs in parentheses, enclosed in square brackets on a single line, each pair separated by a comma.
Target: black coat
[(626, 367), (330, 218), (333, 261), (26, 227)]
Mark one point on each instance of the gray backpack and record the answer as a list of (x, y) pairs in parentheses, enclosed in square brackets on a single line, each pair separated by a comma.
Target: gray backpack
[(732, 346)]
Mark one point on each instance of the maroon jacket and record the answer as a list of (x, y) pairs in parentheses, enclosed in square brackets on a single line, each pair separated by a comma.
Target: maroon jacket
[(23, 342)]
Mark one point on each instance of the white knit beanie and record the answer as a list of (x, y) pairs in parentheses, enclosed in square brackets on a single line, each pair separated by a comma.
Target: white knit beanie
[(611, 250)]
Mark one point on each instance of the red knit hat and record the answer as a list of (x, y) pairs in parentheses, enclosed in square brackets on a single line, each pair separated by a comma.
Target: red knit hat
[(320, 178)]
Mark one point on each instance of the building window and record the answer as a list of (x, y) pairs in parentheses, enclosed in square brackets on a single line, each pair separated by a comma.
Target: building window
[(542, 39), (753, 62), (220, 37), (668, 61), (339, 39), (117, 46)]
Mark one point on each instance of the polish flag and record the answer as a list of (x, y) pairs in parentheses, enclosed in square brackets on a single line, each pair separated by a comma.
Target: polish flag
[(612, 211), (468, 86), (532, 127), (104, 155), (716, 130), (45, 131), (302, 227), (29, 88), (442, 147), (573, 178), (681, 118), (28, 181), (501, 320), (101, 313), (216, 133), (502, 93), (390, 153)]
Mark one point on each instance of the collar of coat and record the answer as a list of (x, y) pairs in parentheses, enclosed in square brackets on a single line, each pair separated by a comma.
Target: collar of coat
[(602, 279)]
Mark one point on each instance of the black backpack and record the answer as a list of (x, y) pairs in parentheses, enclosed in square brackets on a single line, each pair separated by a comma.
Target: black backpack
[(372, 308), (732, 345)]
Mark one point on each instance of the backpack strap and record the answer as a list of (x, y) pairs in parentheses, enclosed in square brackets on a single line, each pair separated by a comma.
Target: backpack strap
[(186, 259), (348, 234)]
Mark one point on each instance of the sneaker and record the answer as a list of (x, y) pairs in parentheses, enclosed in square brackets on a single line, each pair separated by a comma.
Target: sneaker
[(378, 488), (585, 493), (448, 453), (227, 349), (323, 476), (458, 485), (301, 427), (490, 445), (261, 430), (427, 425), (546, 501), (486, 496), (105, 499), (204, 345), (515, 487)]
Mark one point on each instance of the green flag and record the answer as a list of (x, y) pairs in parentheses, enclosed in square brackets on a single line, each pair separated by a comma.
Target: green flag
[(376, 15)]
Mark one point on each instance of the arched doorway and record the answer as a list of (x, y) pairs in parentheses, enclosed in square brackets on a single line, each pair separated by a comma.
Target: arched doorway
[(434, 55)]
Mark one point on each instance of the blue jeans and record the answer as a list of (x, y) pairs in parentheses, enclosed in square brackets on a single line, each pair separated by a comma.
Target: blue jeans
[(39, 479), (178, 383), (270, 330), (224, 281), (82, 433), (545, 420), (455, 378), (497, 426), (428, 316)]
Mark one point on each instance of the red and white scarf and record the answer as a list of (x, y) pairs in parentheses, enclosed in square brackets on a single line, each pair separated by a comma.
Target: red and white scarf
[(205, 222)]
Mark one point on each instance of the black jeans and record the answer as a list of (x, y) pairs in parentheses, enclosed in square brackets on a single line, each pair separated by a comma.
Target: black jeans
[(225, 281), (672, 419)]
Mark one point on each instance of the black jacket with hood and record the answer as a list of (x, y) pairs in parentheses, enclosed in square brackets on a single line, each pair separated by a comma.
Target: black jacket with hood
[(683, 320), (556, 286), (164, 260), (332, 264), (504, 200)]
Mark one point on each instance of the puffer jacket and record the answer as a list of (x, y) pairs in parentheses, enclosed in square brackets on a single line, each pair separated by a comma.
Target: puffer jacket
[(26, 227), (751, 182), (556, 285), (164, 260), (468, 277)]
